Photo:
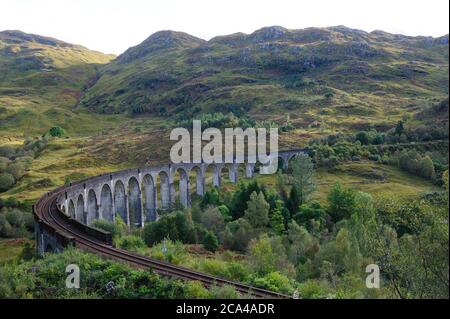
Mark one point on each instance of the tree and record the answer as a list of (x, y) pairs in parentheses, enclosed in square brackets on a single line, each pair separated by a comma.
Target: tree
[(293, 202), (213, 220), (57, 131), (257, 212), (210, 242), (281, 187), (277, 222), (6, 181), (225, 213), (426, 167), (262, 256), (302, 245), (341, 203), (242, 196), (16, 169), (399, 129), (237, 234), (175, 226), (302, 178), (363, 223), (211, 197), (311, 214), (362, 137)]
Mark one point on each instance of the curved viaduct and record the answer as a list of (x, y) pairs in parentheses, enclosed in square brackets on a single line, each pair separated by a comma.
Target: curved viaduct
[(136, 194), (64, 215)]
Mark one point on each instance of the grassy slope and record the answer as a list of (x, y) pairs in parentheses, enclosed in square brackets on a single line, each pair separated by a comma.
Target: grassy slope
[(374, 77), (30, 102), (10, 249), (41, 80), (365, 176)]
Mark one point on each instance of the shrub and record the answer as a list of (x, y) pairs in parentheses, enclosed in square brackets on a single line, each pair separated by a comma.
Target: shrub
[(213, 220), (6, 181), (175, 226), (15, 223), (274, 281), (224, 292), (131, 242), (117, 229), (341, 203), (57, 131), (210, 242), (196, 290)]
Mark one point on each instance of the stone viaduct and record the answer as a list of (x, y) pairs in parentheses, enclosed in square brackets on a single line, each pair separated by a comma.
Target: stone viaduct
[(136, 194)]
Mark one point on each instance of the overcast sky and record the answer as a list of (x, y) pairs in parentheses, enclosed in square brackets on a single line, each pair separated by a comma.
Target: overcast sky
[(111, 26)]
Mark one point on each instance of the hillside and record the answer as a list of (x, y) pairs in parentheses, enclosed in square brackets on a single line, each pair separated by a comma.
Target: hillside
[(40, 79), (336, 76)]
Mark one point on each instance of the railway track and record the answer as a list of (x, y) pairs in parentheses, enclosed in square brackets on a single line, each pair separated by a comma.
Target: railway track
[(47, 211)]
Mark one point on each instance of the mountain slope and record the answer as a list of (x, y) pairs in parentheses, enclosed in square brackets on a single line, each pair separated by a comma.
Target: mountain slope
[(323, 74), (41, 78)]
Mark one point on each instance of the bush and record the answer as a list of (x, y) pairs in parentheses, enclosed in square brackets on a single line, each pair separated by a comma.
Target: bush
[(213, 220), (175, 226), (224, 292), (196, 290), (341, 203), (57, 131), (310, 215), (15, 223), (17, 281), (274, 281), (117, 229), (210, 242), (6, 181), (131, 242)]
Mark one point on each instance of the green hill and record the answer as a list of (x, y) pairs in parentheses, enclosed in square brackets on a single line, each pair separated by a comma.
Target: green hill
[(336, 75), (41, 79)]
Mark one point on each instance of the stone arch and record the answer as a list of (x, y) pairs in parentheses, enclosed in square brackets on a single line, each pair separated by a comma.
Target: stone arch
[(183, 186), (92, 207), (225, 173), (71, 209), (230, 172), (197, 177), (79, 210), (134, 202), (215, 171), (106, 203), (149, 197), (120, 201), (164, 184)]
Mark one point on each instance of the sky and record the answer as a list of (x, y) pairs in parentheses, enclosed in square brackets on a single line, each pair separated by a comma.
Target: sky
[(112, 26)]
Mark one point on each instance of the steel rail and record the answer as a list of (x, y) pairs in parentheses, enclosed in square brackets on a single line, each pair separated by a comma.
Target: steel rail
[(47, 211)]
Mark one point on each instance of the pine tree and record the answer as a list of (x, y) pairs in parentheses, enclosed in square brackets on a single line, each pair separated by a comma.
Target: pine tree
[(210, 242), (302, 179), (277, 222), (257, 212)]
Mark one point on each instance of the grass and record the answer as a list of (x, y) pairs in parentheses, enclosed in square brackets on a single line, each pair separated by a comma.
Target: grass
[(370, 177), (10, 249), (50, 91)]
